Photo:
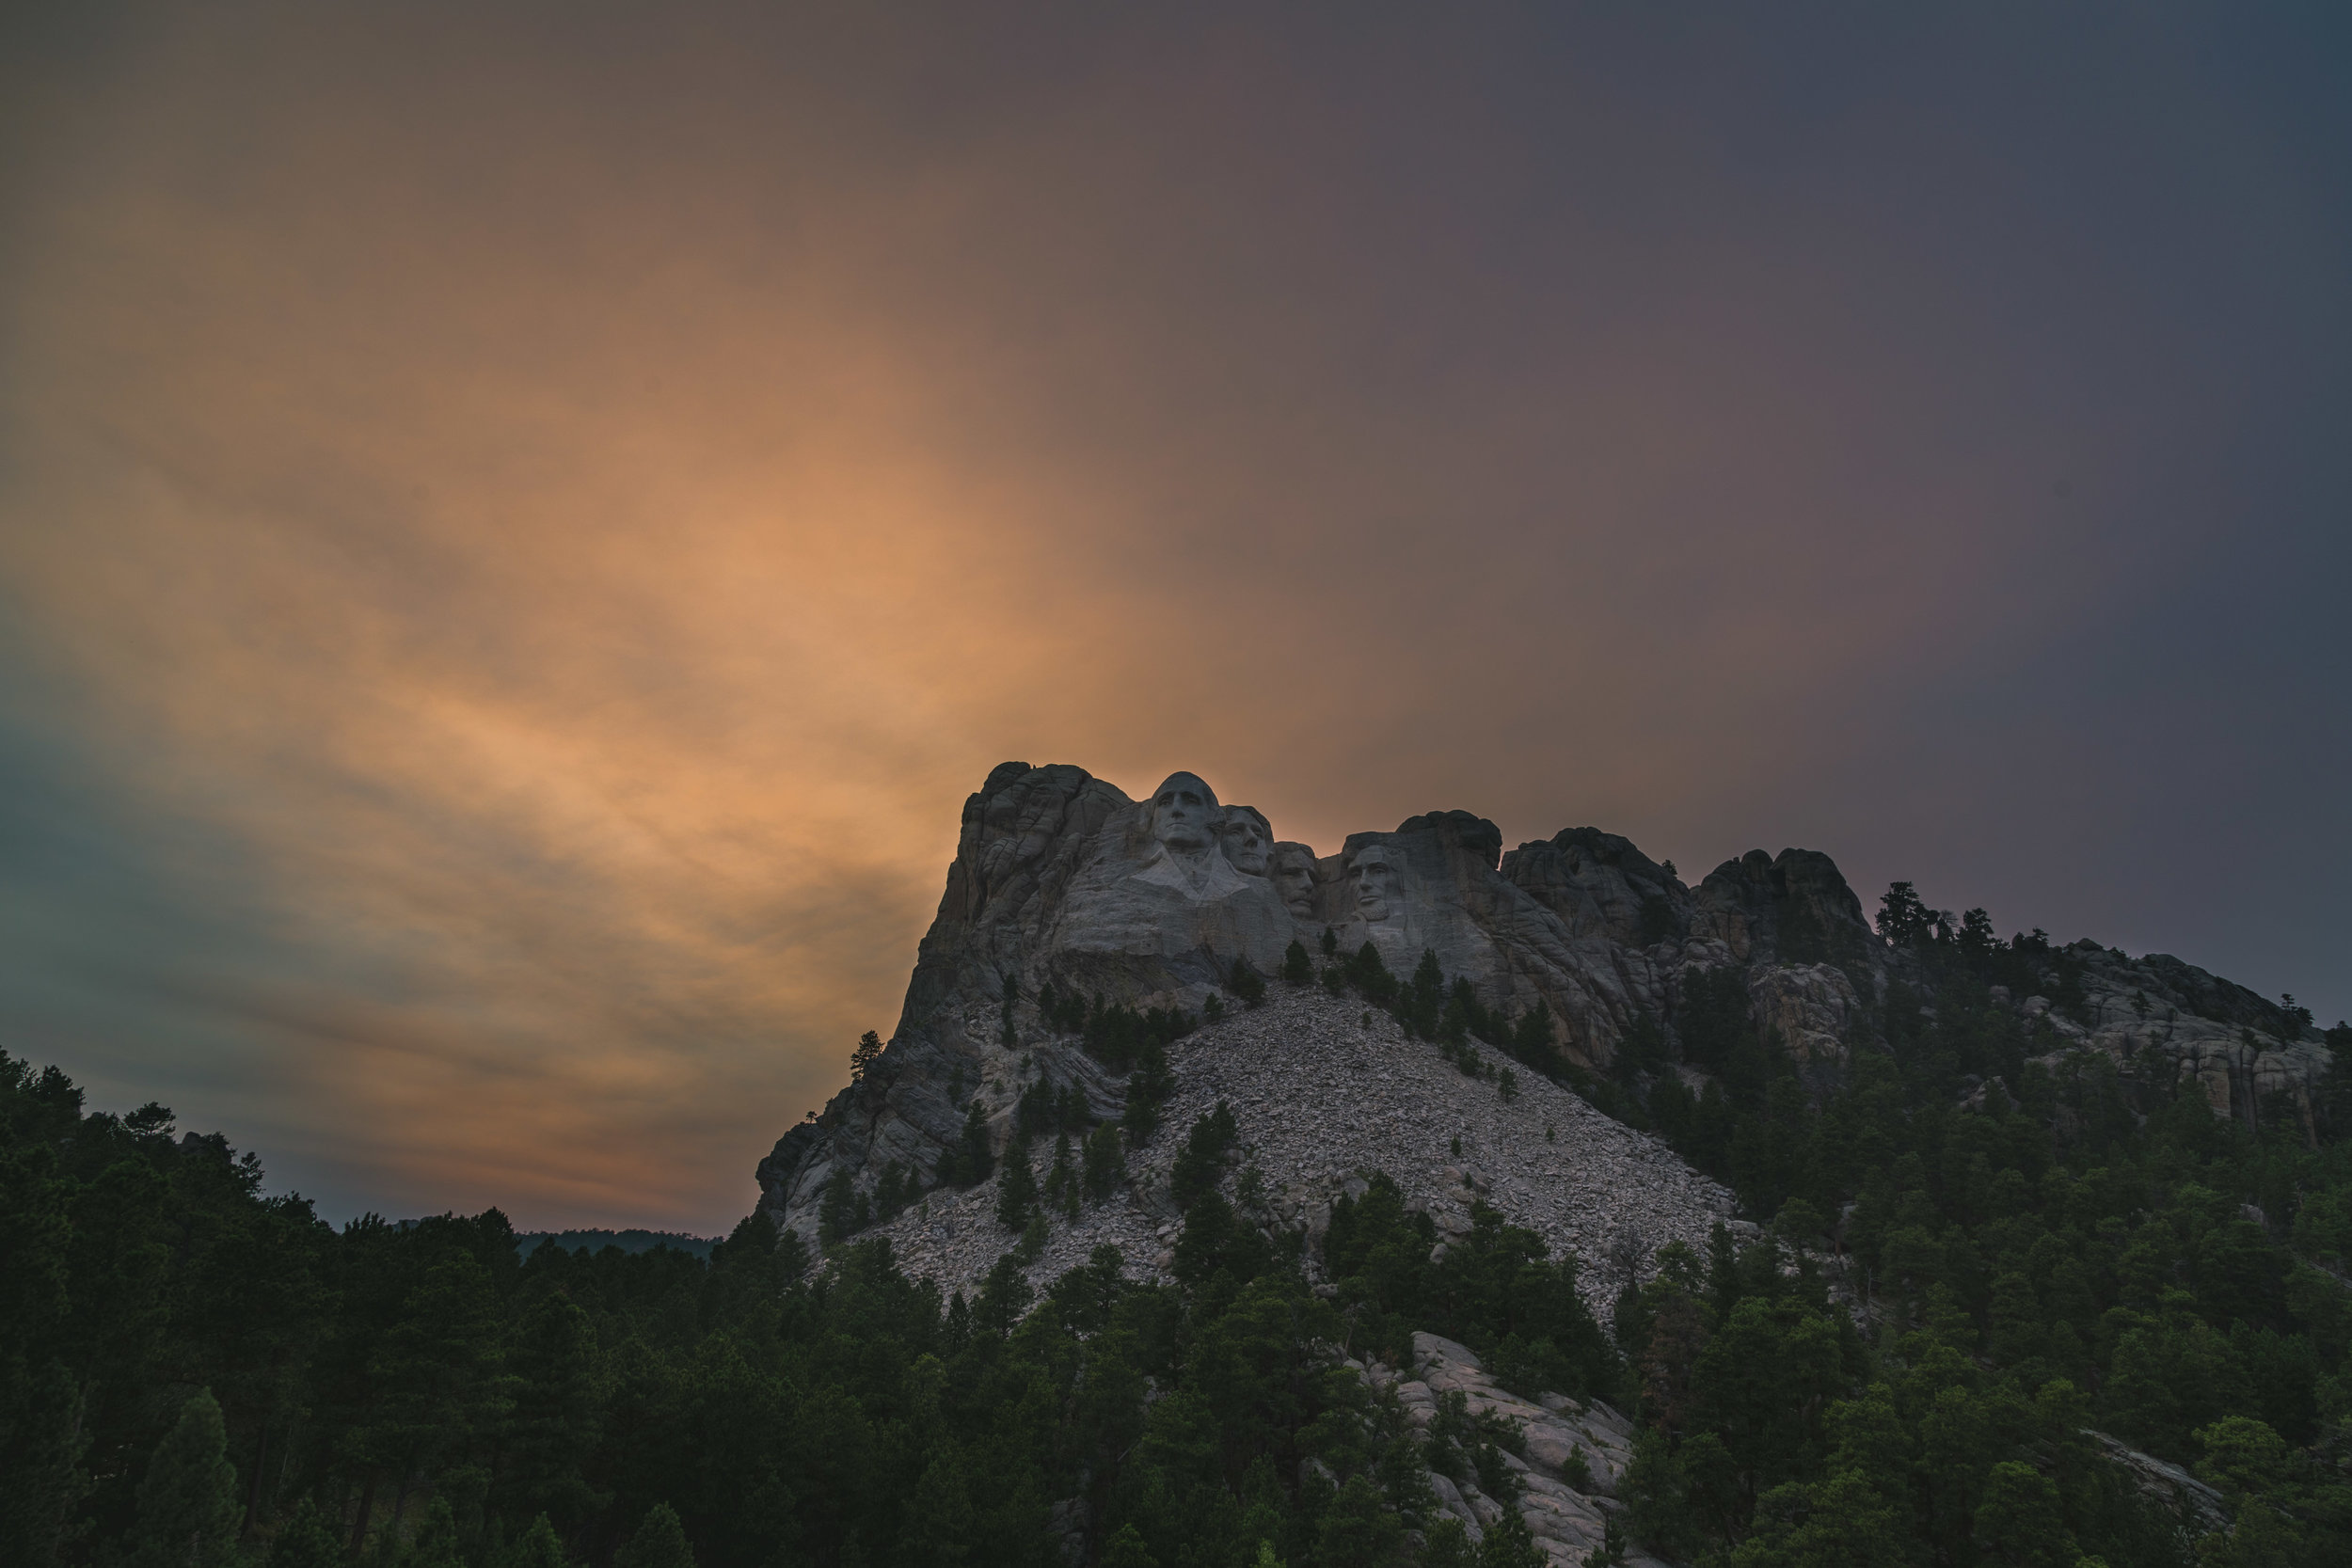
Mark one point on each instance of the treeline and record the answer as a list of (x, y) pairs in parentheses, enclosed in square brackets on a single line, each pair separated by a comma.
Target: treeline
[(197, 1375), (627, 1241)]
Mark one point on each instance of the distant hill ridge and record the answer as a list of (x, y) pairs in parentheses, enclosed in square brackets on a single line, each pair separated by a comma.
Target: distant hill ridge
[(529, 1242)]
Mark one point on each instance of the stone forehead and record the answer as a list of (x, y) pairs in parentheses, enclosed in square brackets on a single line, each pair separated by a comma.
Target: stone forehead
[(1234, 812), (1193, 782)]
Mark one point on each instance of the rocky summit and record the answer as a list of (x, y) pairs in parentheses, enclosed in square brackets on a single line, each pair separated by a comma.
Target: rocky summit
[(1087, 941)]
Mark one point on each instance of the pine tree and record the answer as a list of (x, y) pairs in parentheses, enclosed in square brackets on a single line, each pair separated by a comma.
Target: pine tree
[(1004, 1295), (972, 1159), (1904, 920), (2019, 1522), (1126, 1550), (1449, 1545), (539, 1547), (1105, 1161), (304, 1540), (1061, 1180), (869, 1049), (1509, 1543), (188, 1508), (1356, 1528), (1148, 1086), (1297, 967), (660, 1542), (837, 1210), (939, 1517), (554, 1427), (435, 1545), (1247, 983), (440, 1367), (1530, 1038), (892, 1193), (1426, 999), (1016, 1188)]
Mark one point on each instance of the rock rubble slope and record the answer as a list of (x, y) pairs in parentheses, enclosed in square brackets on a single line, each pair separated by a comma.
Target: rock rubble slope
[(1322, 1099)]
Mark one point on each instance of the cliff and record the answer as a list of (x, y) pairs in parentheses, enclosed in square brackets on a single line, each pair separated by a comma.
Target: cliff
[(1064, 890)]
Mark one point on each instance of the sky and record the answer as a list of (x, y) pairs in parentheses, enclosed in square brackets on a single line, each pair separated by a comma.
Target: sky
[(520, 526)]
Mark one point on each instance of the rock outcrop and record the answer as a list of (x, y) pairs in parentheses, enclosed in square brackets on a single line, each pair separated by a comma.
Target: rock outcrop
[(1063, 881), (1059, 878), (2160, 1022), (1572, 1455), (1322, 1099), (1812, 1008)]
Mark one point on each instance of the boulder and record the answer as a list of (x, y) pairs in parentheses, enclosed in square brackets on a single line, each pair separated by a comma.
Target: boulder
[(1811, 1006)]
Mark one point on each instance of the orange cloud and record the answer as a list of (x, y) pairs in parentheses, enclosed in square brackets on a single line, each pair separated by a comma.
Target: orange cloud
[(567, 507)]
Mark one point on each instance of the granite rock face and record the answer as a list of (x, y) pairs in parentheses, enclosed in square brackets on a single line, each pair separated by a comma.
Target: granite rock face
[(1813, 1008), (1060, 878), (1792, 908), (2160, 1022), (1569, 1526), (1322, 1099)]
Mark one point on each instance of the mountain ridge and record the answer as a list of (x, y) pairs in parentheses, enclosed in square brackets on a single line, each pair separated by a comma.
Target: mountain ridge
[(1063, 886)]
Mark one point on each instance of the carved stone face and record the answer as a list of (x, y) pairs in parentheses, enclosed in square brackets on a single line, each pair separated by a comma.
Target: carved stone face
[(1374, 876), (1246, 840), (1185, 814), (1294, 870)]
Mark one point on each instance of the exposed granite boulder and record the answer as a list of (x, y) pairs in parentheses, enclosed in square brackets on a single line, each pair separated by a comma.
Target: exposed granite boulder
[(2196, 1508), (1568, 1525), (1812, 1007)]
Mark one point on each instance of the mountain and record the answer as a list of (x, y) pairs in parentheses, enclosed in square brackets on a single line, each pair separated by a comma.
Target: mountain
[(1082, 932)]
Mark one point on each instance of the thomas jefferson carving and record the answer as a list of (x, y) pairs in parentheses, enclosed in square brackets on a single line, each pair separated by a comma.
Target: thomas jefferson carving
[(1248, 839)]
